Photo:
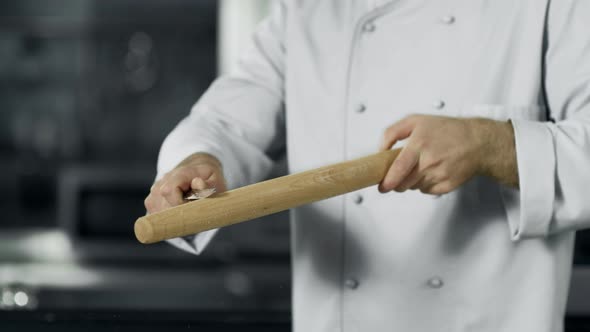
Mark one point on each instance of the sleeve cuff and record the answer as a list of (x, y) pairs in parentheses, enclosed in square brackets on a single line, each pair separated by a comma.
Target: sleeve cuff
[(530, 208), (194, 244)]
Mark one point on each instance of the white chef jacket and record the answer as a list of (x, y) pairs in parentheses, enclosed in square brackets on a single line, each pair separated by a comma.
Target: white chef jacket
[(327, 77)]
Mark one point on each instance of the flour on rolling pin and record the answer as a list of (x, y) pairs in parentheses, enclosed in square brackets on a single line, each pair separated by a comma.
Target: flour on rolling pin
[(196, 194)]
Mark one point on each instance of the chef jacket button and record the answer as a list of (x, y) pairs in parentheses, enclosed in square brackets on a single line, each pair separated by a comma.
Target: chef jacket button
[(435, 282), (515, 232), (361, 108), (449, 19), (369, 26), (351, 283), (358, 199), (438, 104)]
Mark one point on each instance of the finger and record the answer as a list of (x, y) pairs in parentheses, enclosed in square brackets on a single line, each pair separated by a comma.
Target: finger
[(398, 131), (149, 201), (162, 204), (148, 204), (198, 184), (204, 171), (155, 203), (439, 188), (155, 188), (410, 181), (174, 188), (400, 169), (176, 197), (217, 181), (420, 184)]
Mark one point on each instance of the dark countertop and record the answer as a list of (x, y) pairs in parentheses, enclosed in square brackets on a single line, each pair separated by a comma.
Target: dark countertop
[(144, 321)]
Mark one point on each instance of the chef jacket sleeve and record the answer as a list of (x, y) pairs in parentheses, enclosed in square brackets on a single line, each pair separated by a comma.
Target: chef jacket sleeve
[(239, 119), (554, 157)]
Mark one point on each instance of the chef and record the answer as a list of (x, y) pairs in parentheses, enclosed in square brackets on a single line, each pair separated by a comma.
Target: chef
[(472, 229)]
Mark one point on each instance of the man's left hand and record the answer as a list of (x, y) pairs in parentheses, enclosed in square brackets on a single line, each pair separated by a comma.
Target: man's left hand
[(442, 153)]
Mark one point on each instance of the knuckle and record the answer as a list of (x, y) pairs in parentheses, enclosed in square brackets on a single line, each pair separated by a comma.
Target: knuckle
[(444, 188), (444, 173), (438, 177), (429, 160), (419, 143), (425, 162), (148, 203), (184, 171), (166, 189), (155, 189)]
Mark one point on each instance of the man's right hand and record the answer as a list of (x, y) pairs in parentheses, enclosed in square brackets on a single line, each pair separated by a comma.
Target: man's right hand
[(199, 171)]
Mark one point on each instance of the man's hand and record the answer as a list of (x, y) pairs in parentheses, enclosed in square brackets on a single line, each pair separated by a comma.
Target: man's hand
[(199, 171), (442, 153)]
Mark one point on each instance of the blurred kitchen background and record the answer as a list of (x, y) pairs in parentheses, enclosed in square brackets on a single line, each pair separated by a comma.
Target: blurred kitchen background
[(88, 91)]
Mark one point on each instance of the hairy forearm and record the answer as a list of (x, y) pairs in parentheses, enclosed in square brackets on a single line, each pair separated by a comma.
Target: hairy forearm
[(498, 152)]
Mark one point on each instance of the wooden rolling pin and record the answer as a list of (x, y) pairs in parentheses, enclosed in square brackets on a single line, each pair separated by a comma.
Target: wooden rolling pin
[(264, 198)]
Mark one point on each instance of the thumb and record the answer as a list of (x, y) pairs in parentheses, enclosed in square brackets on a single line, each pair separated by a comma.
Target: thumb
[(217, 181)]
